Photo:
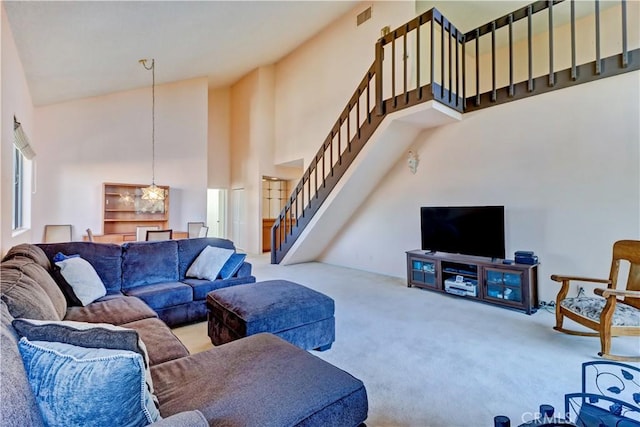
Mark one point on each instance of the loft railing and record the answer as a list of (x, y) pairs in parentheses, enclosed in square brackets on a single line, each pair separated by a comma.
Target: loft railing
[(536, 56), (430, 51), (428, 58)]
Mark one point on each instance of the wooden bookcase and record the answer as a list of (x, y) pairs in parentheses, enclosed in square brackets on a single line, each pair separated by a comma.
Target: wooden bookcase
[(477, 278), (123, 210)]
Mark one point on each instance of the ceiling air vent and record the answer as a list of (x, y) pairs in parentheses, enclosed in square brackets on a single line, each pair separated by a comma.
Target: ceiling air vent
[(364, 16)]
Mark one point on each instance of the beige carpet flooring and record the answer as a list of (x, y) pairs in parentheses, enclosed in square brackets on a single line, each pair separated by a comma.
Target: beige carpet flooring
[(429, 359)]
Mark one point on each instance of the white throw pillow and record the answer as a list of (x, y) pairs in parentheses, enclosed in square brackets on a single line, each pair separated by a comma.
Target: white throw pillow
[(82, 277), (209, 263)]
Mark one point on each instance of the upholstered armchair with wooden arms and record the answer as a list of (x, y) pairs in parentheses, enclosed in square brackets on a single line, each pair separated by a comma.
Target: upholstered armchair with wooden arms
[(613, 312)]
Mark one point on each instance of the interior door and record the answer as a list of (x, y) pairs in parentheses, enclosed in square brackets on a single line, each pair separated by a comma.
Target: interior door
[(217, 212)]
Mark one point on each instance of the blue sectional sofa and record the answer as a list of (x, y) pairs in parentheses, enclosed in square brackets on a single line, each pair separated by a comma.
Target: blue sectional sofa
[(258, 381), (155, 272)]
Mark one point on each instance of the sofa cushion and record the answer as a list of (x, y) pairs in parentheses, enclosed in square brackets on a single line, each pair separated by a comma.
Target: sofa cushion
[(263, 381), (183, 419), (82, 278), (202, 287), (162, 345), (42, 277), (104, 257), (62, 376), (30, 251), (176, 315), (146, 263), (163, 295), (116, 310), (591, 308), (245, 271), (189, 249), (19, 407), (24, 297)]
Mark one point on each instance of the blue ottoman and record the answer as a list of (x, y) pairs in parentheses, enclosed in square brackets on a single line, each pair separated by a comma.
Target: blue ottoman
[(291, 311)]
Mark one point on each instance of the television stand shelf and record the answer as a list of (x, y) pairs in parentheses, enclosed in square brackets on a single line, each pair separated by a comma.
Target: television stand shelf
[(478, 278)]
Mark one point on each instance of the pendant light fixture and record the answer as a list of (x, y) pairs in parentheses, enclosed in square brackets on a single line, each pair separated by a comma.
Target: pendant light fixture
[(152, 192)]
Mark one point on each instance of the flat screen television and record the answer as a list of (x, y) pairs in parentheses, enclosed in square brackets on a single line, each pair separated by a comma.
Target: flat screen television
[(468, 230)]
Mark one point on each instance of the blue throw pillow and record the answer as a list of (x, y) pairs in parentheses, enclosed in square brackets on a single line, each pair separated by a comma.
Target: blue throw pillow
[(232, 266), (89, 335), (78, 386), (61, 257)]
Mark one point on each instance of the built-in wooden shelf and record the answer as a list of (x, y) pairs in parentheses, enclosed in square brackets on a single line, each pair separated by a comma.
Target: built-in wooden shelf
[(123, 209)]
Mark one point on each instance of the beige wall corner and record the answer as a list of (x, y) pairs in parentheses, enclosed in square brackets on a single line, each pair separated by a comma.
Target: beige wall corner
[(219, 138)]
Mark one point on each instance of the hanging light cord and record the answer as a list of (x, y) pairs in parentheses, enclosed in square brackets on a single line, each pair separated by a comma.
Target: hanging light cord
[(153, 116)]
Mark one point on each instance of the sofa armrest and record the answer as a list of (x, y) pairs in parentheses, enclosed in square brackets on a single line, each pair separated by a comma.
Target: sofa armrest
[(183, 419), (245, 270)]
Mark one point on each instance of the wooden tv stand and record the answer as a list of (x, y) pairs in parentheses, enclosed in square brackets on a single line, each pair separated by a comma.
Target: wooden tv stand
[(477, 278)]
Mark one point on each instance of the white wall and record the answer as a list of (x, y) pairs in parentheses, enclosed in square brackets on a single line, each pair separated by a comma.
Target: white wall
[(86, 142), (566, 166), (219, 138), (15, 100), (252, 136), (314, 83)]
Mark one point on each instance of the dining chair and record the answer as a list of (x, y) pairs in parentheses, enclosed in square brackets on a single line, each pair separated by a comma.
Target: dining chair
[(57, 233), (154, 235), (141, 232), (204, 230), (90, 235), (193, 229)]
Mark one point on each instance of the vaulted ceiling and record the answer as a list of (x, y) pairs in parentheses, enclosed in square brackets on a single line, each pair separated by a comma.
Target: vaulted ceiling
[(76, 49)]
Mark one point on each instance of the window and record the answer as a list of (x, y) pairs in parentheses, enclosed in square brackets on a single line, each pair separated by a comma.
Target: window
[(23, 154), (18, 189)]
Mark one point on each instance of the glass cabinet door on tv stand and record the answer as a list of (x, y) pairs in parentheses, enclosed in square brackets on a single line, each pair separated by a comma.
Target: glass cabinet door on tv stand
[(506, 287), (421, 273)]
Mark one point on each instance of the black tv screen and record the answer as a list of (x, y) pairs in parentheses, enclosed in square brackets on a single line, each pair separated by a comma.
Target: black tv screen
[(468, 230)]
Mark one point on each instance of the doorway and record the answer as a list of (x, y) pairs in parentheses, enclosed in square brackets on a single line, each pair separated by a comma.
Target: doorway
[(275, 193), (217, 212)]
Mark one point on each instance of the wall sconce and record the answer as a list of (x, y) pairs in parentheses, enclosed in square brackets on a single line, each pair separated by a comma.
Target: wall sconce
[(412, 161)]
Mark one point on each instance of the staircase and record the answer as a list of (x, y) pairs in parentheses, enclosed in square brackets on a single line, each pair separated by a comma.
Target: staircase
[(427, 73)]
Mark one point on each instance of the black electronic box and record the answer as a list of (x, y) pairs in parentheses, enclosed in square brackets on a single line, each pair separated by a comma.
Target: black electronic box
[(526, 257)]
